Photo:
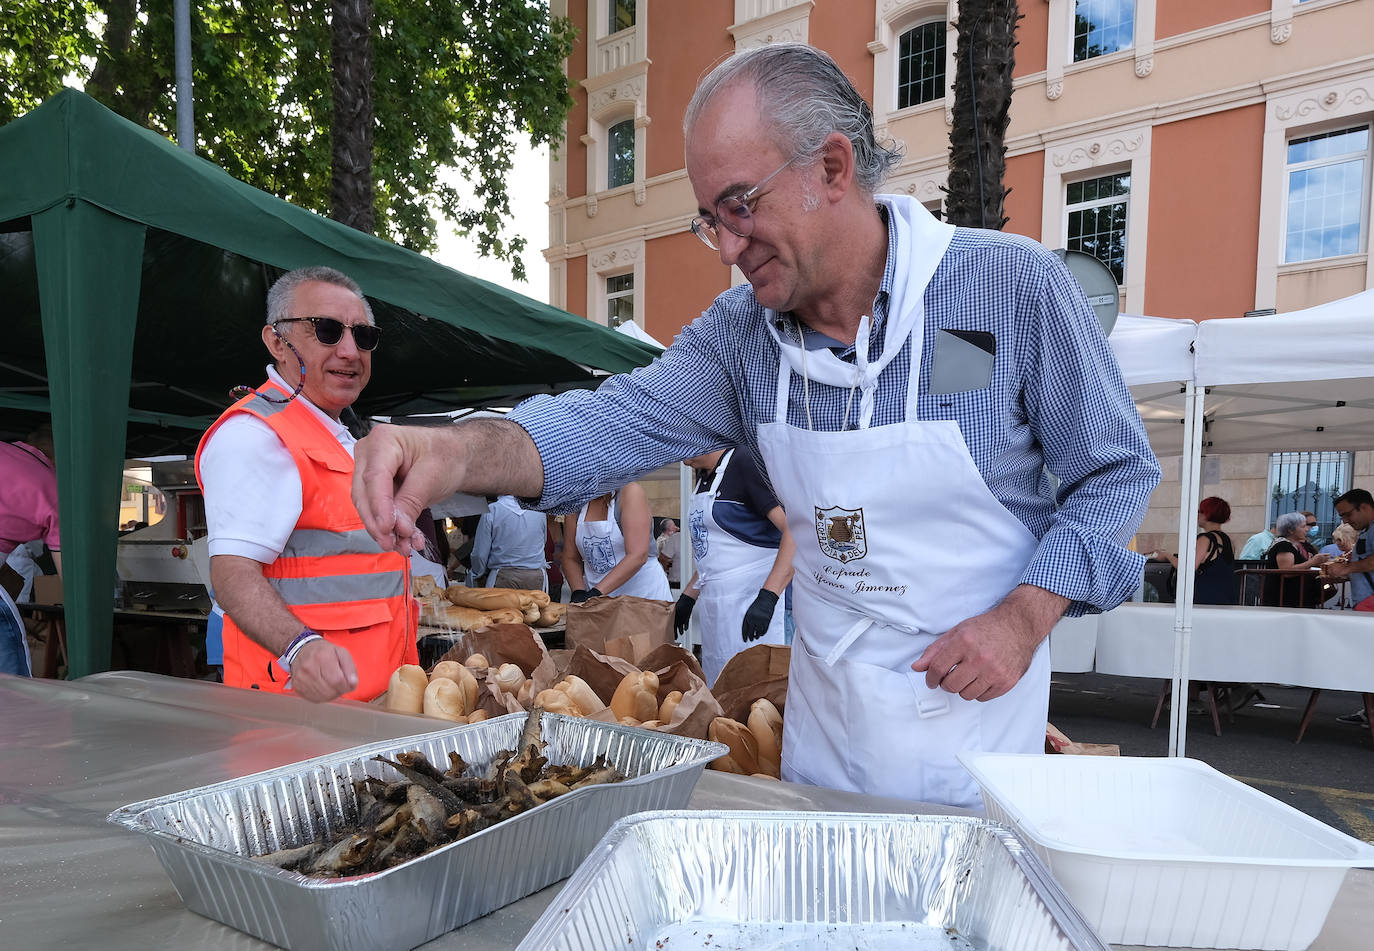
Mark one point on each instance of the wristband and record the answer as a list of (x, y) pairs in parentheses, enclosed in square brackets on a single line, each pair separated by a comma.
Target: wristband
[(288, 656)]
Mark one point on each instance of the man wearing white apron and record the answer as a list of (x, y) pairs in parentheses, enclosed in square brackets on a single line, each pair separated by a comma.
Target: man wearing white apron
[(906, 386), (743, 556)]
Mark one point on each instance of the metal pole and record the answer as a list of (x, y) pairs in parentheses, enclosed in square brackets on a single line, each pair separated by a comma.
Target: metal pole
[(186, 119), (1190, 476)]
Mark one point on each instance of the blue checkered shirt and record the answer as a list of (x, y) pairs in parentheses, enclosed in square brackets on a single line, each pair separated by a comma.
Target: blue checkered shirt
[(1056, 401)]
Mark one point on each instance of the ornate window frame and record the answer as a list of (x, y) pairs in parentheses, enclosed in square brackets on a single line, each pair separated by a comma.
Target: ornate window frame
[(1059, 45), (892, 19), (1088, 157), (1311, 107), (614, 98), (624, 257), (760, 22)]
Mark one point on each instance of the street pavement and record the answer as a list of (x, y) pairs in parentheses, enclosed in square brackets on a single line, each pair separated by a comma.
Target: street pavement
[(1329, 775)]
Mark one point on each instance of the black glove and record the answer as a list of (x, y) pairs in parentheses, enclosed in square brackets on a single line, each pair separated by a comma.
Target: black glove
[(579, 595), (683, 613), (759, 615)]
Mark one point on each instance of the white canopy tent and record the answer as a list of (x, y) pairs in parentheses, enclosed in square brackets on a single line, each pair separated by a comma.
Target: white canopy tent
[(1303, 380)]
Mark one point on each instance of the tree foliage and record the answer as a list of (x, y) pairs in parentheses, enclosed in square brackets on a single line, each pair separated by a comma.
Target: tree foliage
[(456, 83), (982, 104)]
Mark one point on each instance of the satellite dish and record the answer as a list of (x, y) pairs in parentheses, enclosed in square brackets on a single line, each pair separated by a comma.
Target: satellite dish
[(1098, 283)]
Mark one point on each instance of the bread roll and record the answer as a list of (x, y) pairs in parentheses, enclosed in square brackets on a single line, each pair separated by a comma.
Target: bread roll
[(423, 586), (471, 689), (744, 749), (763, 776), (510, 678), (525, 696), (765, 723), (555, 701), (628, 721), (448, 669), (406, 691), (501, 616), (444, 699), (581, 694), (530, 612), (477, 662), (637, 696), (727, 765), (651, 724), (551, 614), (669, 704), (485, 599), (477, 716)]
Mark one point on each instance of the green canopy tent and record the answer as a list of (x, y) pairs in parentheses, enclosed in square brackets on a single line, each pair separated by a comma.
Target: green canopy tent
[(134, 277)]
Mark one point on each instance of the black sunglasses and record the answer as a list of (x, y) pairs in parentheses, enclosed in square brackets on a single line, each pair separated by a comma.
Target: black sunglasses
[(329, 331)]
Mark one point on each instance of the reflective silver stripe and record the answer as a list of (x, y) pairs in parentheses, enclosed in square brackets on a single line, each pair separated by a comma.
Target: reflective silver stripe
[(321, 543), (335, 589), (264, 407)]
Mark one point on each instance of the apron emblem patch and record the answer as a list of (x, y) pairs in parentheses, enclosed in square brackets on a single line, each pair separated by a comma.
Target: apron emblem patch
[(841, 533)]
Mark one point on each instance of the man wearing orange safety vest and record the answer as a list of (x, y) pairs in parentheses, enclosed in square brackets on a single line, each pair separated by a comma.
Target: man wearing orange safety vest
[(311, 603)]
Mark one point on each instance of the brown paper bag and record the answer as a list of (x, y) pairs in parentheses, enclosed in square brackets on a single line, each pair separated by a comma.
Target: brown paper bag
[(503, 644), (758, 671), (678, 671), (599, 620)]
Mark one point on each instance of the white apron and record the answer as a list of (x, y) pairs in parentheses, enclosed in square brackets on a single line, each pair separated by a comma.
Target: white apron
[(602, 546), (898, 539), (729, 575)]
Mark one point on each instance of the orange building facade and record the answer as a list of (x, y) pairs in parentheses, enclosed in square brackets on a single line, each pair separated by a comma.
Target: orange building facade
[(1217, 155)]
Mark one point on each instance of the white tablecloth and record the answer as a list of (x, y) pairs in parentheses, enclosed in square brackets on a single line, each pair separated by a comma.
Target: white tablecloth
[(1311, 648)]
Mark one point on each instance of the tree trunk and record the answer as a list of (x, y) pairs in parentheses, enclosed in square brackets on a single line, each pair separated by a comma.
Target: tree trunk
[(982, 103), (351, 192)]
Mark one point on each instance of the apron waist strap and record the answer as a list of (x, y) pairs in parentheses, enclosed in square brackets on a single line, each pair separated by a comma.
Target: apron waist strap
[(849, 637)]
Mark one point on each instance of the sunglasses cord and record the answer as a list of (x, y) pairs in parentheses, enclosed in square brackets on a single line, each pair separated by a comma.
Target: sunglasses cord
[(239, 392)]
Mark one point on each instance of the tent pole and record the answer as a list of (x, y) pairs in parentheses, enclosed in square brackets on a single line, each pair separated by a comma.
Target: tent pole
[(186, 121), (1190, 484), (90, 265)]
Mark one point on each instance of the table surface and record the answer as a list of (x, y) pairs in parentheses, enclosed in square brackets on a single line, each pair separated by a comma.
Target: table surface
[(72, 752)]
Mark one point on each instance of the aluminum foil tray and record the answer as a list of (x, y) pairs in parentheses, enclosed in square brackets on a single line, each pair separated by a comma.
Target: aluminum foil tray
[(204, 837), (764, 881)]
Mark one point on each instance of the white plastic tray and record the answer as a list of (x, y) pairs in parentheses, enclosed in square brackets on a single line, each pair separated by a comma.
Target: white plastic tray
[(1170, 852)]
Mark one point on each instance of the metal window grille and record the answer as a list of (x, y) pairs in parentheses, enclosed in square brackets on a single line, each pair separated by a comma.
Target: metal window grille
[(921, 65), (1327, 208), (1097, 214), (1308, 482), (1101, 27), (620, 154), (620, 299)]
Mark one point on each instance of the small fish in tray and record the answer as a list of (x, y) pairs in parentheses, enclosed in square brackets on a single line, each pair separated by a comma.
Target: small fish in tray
[(424, 808)]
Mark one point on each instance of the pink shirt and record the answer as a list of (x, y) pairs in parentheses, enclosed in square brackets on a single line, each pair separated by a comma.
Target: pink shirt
[(28, 497)]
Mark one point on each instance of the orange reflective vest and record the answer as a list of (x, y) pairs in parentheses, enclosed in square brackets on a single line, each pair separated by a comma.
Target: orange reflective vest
[(331, 574)]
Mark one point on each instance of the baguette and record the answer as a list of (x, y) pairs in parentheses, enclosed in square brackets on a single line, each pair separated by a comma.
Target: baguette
[(444, 699), (485, 599), (744, 749), (551, 614), (765, 723), (406, 691), (530, 614)]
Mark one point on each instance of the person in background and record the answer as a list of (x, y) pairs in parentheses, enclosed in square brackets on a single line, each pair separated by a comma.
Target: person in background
[(743, 554), (610, 555), (905, 384), (1214, 562), (553, 555), (28, 510), (1343, 540), (311, 603), (1257, 544), (508, 549), (1356, 509), (1314, 530), (670, 552), (1290, 552)]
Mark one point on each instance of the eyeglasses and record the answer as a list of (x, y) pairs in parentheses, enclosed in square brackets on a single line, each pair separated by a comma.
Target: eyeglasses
[(734, 212), (329, 331)]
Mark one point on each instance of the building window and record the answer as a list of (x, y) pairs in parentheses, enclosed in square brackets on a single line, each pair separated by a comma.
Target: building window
[(921, 65), (1101, 27), (1308, 482), (1097, 219), (620, 299), (1328, 175), (620, 154), (622, 16)]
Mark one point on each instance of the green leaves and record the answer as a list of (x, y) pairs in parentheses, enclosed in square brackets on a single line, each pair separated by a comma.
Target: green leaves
[(458, 84)]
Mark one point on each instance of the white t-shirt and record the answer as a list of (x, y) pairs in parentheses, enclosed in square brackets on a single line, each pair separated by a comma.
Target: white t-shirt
[(252, 486)]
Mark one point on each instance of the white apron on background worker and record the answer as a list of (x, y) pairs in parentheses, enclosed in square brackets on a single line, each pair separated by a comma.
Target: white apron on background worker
[(602, 546), (869, 596), (730, 573)]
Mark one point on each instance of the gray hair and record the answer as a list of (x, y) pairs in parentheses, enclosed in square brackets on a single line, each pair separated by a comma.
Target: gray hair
[(804, 96), (280, 295), (1288, 521)]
